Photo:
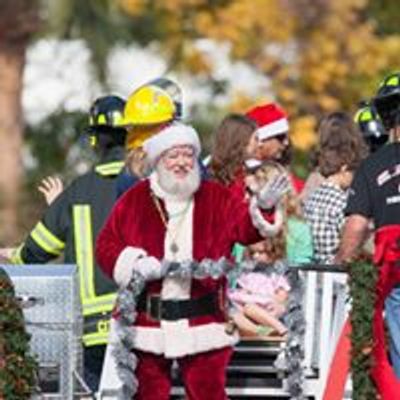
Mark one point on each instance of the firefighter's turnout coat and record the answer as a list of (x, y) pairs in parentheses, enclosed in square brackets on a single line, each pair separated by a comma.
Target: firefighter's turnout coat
[(70, 226)]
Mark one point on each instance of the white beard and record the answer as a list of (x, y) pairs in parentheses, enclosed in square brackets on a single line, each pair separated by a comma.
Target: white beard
[(182, 188)]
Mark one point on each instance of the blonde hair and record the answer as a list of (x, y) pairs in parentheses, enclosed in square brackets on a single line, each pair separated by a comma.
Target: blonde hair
[(136, 162)]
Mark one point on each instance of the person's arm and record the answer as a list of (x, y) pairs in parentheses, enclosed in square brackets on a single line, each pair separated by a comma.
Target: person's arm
[(354, 234), (116, 252)]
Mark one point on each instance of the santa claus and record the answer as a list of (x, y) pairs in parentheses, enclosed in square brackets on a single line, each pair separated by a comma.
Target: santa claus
[(176, 216)]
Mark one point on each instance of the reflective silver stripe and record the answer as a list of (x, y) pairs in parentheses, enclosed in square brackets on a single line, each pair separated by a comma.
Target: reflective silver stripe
[(16, 255), (47, 240)]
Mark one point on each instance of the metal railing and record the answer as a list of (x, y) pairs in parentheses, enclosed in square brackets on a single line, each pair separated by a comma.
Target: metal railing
[(326, 306)]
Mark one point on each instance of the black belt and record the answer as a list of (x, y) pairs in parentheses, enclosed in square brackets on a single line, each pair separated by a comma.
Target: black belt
[(172, 310)]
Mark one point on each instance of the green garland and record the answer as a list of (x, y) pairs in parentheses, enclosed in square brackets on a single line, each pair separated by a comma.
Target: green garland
[(18, 370), (362, 289)]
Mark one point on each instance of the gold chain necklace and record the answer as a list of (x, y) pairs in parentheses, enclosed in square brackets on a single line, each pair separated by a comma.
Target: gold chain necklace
[(174, 248)]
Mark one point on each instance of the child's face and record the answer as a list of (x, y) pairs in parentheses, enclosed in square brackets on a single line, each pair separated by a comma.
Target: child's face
[(259, 253), (346, 179)]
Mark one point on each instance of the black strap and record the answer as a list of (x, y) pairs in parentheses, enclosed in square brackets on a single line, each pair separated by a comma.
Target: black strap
[(172, 310), (92, 322)]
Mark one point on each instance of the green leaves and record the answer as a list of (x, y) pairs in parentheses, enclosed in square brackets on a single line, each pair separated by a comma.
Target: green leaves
[(17, 367), (362, 289)]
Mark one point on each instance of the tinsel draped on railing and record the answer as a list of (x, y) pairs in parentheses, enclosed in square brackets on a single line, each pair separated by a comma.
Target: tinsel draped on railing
[(289, 363)]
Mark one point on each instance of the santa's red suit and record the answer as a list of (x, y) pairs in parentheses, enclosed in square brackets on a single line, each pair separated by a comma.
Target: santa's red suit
[(206, 226)]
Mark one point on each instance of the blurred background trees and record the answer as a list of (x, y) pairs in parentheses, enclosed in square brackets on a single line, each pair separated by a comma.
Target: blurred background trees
[(312, 56)]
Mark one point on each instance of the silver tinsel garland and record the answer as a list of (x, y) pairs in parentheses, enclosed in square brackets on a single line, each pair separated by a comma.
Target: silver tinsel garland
[(289, 363)]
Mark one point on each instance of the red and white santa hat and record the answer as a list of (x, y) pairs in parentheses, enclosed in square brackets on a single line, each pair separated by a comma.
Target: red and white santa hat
[(270, 119), (176, 134)]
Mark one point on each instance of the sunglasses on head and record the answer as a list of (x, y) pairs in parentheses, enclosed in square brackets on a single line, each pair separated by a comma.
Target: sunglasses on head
[(282, 137)]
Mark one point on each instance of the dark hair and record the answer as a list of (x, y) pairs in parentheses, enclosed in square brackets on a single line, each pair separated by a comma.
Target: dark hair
[(229, 149), (341, 143)]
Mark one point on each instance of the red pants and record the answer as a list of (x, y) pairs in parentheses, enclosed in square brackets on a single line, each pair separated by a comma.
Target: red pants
[(203, 375)]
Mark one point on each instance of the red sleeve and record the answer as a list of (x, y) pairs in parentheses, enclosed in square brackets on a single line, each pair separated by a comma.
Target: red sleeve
[(297, 183), (240, 226)]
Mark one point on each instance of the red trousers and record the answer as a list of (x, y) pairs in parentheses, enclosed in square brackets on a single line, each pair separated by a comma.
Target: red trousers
[(203, 375), (387, 255)]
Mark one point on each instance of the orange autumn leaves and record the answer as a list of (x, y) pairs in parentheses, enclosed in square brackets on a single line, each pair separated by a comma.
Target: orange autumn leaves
[(320, 55)]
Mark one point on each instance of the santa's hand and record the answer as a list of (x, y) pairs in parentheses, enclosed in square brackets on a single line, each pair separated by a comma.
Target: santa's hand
[(149, 267), (272, 192), (136, 260)]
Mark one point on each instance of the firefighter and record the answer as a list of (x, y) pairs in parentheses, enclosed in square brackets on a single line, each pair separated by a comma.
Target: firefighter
[(374, 196), (70, 226), (371, 126)]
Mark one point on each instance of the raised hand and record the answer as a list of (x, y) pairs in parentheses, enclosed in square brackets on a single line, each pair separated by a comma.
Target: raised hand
[(51, 187), (273, 191)]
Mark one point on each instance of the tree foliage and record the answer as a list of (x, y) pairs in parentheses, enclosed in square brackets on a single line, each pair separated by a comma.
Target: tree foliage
[(18, 369), (321, 55)]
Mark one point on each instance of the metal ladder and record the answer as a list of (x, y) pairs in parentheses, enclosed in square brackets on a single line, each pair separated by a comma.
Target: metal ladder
[(251, 373)]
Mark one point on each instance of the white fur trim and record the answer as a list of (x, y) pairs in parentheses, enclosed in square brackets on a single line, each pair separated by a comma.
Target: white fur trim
[(110, 381), (279, 127), (177, 134), (265, 228), (125, 263), (183, 340)]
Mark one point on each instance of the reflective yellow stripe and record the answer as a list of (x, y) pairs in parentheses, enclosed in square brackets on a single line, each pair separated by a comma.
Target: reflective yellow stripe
[(91, 304), (366, 116), (47, 240), (94, 339), (84, 250), (16, 255), (101, 119), (99, 304), (112, 168), (100, 336), (393, 81)]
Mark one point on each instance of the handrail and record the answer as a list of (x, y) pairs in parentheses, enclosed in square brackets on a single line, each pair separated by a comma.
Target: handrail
[(332, 268), (325, 307)]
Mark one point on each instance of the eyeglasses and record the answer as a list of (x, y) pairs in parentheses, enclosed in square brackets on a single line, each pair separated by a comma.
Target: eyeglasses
[(282, 137)]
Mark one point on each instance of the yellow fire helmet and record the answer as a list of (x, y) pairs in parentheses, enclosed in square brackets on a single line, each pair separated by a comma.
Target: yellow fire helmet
[(137, 135), (148, 105)]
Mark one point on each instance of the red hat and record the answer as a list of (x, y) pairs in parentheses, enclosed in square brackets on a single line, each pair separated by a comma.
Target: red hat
[(271, 120)]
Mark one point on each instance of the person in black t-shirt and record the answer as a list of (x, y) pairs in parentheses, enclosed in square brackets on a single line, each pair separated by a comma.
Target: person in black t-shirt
[(375, 192), (375, 197)]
